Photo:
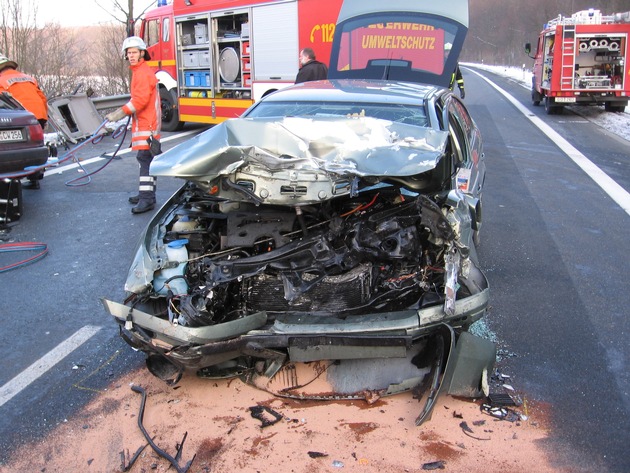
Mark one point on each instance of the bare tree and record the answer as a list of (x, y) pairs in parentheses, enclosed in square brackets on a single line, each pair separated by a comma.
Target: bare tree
[(113, 65), (499, 29), (51, 54), (17, 29), (124, 14), (110, 63)]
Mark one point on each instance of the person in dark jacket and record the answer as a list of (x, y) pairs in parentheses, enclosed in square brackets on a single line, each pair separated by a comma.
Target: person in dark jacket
[(311, 69)]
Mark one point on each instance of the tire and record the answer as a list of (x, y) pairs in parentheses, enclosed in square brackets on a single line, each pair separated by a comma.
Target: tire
[(609, 107), (536, 97), (549, 108), (170, 112)]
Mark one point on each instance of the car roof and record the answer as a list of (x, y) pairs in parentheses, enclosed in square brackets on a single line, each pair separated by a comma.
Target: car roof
[(356, 91)]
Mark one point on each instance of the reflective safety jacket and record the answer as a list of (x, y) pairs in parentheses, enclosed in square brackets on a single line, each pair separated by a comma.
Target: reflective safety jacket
[(144, 106), (25, 90), (457, 77)]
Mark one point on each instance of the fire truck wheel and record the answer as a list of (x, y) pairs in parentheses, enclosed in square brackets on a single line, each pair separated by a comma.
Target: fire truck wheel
[(551, 108), (170, 113), (536, 97), (610, 107)]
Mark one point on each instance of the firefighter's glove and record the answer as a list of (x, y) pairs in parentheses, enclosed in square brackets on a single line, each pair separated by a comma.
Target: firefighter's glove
[(116, 115), (462, 94)]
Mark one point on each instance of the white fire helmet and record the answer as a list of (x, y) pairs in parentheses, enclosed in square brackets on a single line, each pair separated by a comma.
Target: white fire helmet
[(6, 62), (135, 42)]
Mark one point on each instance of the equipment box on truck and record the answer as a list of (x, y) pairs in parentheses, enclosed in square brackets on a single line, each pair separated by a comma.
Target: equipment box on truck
[(216, 57)]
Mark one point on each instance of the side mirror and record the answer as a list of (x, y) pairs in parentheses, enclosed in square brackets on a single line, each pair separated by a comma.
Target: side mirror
[(528, 48)]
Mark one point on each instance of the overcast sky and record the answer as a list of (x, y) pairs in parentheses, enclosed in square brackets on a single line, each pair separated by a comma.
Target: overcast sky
[(81, 12)]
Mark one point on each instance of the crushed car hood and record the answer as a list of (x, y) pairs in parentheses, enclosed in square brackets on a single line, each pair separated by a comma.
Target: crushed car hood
[(361, 146)]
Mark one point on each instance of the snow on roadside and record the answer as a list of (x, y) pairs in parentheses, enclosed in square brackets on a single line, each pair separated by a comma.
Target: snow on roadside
[(617, 123)]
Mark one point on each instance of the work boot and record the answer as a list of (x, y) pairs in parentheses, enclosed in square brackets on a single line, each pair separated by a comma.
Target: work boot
[(143, 206), (134, 199)]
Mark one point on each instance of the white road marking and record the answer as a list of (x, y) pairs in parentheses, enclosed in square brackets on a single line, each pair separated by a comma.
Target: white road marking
[(74, 165), (46, 362), (607, 184)]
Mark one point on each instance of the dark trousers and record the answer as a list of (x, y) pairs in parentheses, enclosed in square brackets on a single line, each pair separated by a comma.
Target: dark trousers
[(147, 183)]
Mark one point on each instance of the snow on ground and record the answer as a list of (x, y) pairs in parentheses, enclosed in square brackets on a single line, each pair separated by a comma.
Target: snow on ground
[(617, 123)]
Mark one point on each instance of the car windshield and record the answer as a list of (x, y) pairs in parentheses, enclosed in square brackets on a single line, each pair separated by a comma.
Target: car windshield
[(399, 113)]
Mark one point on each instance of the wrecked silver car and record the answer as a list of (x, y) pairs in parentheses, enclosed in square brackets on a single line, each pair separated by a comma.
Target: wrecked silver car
[(327, 235)]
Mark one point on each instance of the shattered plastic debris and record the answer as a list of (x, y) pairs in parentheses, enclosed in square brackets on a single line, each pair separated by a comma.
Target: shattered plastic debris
[(464, 427), (502, 413), (501, 400), (437, 465), (469, 432), (317, 454), (258, 412), (337, 464)]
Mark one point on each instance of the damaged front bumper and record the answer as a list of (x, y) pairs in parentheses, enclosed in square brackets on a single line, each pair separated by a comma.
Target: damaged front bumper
[(353, 358), (361, 336)]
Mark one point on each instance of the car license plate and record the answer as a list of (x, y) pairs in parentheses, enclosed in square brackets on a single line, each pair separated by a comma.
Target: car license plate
[(11, 135), (565, 99)]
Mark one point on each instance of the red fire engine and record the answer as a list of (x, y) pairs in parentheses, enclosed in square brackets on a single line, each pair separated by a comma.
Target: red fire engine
[(213, 58), (583, 60)]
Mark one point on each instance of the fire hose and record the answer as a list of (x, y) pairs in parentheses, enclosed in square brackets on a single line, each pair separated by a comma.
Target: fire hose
[(26, 246), (96, 138)]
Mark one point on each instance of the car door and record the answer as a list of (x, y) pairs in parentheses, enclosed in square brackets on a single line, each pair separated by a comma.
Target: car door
[(467, 148)]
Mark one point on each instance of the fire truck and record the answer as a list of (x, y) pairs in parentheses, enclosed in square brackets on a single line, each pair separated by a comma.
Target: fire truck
[(214, 58), (582, 60)]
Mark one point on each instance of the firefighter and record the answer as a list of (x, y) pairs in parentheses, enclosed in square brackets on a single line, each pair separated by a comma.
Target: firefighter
[(25, 90), (144, 108), (457, 77), (310, 69), (457, 73)]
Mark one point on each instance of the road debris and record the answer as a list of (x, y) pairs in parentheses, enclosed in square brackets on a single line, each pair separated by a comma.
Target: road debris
[(317, 454), (125, 465), (258, 412), (469, 432), (173, 461), (437, 465), (501, 413), (501, 400)]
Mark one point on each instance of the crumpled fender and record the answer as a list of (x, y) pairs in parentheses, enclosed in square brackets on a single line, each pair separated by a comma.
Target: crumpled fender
[(458, 369)]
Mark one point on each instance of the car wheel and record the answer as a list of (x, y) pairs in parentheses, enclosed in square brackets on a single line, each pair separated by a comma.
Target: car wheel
[(170, 112)]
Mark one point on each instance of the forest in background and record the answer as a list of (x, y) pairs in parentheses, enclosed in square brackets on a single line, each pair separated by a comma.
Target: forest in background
[(498, 29)]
